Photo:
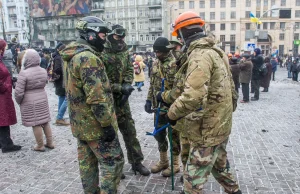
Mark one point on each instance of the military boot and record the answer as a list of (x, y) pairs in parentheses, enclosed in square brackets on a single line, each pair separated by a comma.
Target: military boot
[(162, 164), (139, 167), (176, 167), (238, 192)]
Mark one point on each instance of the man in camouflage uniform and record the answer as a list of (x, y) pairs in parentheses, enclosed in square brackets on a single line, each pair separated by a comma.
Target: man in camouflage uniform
[(163, 67), (176, 51), (120, 74), (207, 103), (92, 115)]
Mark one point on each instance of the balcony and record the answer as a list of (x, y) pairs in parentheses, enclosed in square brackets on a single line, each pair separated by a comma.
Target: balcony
[(133, 42), (13, 15), (155, 29), (10, 4), (155, 17), (154, 4)]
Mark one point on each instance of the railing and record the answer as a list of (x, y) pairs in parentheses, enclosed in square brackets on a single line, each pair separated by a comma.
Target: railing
[(13, 15), (153, 16), (155, 29), (154, 3)]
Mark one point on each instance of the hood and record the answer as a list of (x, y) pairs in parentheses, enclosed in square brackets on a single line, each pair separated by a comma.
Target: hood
[(76, 47), (31, 58), (108, 46), (205, 42), (138, 58)]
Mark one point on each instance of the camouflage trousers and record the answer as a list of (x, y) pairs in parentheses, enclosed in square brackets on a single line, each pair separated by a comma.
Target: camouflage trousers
[(202, 162), (127, 128), (111, 159), (162, 140), (185, 149)]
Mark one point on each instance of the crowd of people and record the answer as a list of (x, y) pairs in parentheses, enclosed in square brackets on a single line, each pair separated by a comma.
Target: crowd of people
[(192, 80)]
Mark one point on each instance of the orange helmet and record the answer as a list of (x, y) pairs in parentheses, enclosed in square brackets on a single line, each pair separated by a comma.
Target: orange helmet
[(229, 55), (186, 19), (236, 54)]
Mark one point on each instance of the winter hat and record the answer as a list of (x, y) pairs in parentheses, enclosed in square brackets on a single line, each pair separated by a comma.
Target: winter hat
[(60, 46), (162, 44), (257, 51), (2, 46)]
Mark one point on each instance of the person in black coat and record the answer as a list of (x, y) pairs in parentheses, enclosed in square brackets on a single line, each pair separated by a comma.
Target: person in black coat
[(235, 71), (294, 69), (265, 81), (44, 63), (257, 60)]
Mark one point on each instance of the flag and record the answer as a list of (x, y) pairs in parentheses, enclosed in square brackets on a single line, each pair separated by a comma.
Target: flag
[(254, 19)]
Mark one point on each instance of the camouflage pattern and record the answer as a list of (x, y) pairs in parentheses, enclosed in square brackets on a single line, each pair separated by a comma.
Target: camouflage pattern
[(176, 54), (110, 157), (120, 70), (208, 85), (90, 99), (163, 69), (185, 149), (202, 162)]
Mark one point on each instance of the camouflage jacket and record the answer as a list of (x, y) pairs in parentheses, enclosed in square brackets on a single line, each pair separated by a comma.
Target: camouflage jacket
[(118, 67), (161, 69), (176, 54), (90, 99), (208, 85)]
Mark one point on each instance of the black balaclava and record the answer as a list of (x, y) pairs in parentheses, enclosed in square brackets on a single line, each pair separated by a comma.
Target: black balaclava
[(117, 45)]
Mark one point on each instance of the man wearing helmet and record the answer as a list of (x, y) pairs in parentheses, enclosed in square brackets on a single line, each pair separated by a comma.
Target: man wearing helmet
[(207, 103), (92, 115), (120, 74), (163, 67)]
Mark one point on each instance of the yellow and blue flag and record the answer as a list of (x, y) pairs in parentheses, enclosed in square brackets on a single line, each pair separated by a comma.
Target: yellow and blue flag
[(254, 19)]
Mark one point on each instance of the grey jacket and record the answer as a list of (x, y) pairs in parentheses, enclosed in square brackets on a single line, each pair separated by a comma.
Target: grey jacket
[(246, 71)]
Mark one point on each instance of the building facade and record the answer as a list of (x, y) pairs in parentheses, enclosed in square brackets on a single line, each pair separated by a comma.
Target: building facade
[(142, 18), (15, 18), (229, 21)]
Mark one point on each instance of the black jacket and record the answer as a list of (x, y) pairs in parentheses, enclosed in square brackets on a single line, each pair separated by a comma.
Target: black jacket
[(257, 62), (44, 63), (294, 66), (58, 69)]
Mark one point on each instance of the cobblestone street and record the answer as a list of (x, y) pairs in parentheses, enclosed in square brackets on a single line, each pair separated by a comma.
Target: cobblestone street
[(264, 150)]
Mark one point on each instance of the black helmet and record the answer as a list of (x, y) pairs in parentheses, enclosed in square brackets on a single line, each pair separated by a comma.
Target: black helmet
[(118, 30), (89, 27), (162, 44)]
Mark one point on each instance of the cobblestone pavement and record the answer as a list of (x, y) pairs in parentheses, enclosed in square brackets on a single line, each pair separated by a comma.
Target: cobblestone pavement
[(264, 150)]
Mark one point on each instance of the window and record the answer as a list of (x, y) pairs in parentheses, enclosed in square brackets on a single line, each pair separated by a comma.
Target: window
[(223, 3), (265, 25), (132, 26), (212, 15), (266, 2), (281, 49), (212, 3), (233, 15), (283, 3), (248, 3), (181, 4), (272, 2), (202, 4), (296, 36), (257, 14), (202, 15), (147, 37), (233, 3), (297, 2), (297, 13), (258, 3), (191, 4), (140, 12), (212, 27), (222, 38), (15, 24), (248, 25), (281, 36), (141, 25), (222, 15), (247, 14), (272, 25), (297, 25), (232, 26), (222, 26), (153, 37), (282, 25), (232, 38), (141, 38)]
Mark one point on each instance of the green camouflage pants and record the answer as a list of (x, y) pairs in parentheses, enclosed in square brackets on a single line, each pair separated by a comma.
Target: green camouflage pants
[(111, 159), (185, 149), (161, 138), (201, 163), (127, 128)]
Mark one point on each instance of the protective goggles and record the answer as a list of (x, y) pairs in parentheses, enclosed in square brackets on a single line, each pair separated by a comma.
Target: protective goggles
[(120, 32)]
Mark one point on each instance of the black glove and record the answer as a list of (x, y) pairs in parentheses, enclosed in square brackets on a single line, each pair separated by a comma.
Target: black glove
[(127, 89), (109, 134), (172, 122), (124, 99), (148, 106), (159, 97)]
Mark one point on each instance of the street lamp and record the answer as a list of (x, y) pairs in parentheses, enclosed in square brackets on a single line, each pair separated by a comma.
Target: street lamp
[(171, 8)]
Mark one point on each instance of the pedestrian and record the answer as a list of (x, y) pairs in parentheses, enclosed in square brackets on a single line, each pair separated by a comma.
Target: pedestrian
[(235, 71), (44, 63), (139, 75), (59, 85), (30, 94), (238, 56), (91, 108), (294, 69), (246, 67), (120, 74), (288, 67), (257, 61), (265, 81), (208, 128), (7, 108), (163, 67), (274, 64), (229, 57)]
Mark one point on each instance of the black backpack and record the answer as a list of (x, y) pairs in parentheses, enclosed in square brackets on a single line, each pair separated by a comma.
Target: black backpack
[(263, 71)]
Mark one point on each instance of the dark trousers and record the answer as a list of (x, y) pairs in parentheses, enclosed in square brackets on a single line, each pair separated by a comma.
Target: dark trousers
[(5, 139), (273, 75), (295, 75), (256, 88), (245, 90)]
